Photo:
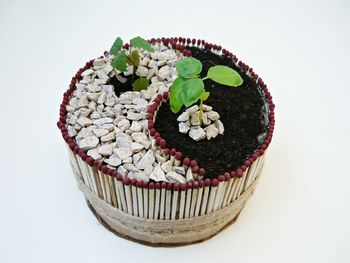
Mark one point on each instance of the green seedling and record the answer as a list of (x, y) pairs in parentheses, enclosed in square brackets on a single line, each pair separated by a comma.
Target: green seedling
[(124, 58), (188, 88)]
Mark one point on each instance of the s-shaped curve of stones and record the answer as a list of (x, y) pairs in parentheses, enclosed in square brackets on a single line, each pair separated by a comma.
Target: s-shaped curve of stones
[(113, 129)]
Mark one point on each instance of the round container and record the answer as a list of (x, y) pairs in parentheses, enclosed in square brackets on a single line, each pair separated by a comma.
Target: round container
[(166, 214)]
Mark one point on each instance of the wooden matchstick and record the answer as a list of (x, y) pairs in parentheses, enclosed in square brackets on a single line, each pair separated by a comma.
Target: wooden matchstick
[(195, 171), (140, 198), (172, 156), (239, 175), (119, 200), (252, 170), (252, 175), (111, 188), (96, 178), (176, 188), (151, 133), (199, 197), (186, 163), (228, 190), (102, 179), (151, 200), (201, 174), (219, 193), (225, 190), (205, 197), (162, 146), (91, 177), (104, 185), (168, 201), (242, 183), (72, 159), (165, 94), (246, 179), (212, 194), (121, 192), (195, 185), (258, 164), (166, 154), (162, 200), (182, 200), (82, 172), (188, 199), (127, 188), (234, 189), (157, 202), (134, 197), (145, 199), (107, 186), (85, 174), (261, 165), (178, 158), (87, 164)]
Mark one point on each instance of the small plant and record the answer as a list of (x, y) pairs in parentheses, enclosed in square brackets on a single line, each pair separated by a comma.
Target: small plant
[(188, 88), (132, 58)]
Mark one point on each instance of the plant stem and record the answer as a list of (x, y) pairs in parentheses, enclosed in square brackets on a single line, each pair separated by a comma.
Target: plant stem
[(133, 68), (133, 73), (200, 112), (205, 78)]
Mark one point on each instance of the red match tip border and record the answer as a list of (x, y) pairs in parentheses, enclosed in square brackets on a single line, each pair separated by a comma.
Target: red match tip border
[(178, 43)]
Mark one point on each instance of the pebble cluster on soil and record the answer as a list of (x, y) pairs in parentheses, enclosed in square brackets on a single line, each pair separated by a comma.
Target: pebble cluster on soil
[(189, 122)]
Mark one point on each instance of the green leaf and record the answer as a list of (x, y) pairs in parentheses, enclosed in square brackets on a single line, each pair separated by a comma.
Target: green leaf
[(192, 89), (175, 95), (119, 62), (129, 61), (205, 95), (139, 42), (117, 45), (135, 57), (225, 75), (140, 84), (189, 67)]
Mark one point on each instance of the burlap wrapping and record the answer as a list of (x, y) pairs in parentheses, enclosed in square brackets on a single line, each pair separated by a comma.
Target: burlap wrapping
[(165, 232)]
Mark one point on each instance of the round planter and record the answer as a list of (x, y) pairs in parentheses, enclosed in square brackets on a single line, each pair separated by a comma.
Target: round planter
[(167, 214)]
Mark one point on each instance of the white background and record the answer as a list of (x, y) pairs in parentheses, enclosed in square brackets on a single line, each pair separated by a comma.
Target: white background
[(300, 211)]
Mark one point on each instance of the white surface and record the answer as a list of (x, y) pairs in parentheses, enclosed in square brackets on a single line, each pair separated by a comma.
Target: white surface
[(300, 211)]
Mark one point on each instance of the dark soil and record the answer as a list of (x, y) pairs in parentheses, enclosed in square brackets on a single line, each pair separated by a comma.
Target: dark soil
[(121, 87), (240, 111)]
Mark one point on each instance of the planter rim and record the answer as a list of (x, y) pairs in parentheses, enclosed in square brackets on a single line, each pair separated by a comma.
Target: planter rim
[(178, 43)]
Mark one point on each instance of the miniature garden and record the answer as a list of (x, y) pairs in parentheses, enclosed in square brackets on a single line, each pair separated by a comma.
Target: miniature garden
[(171, 130), (214, 116)]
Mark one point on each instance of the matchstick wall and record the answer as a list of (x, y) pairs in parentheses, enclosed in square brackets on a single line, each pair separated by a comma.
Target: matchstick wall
[(165, 214)]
